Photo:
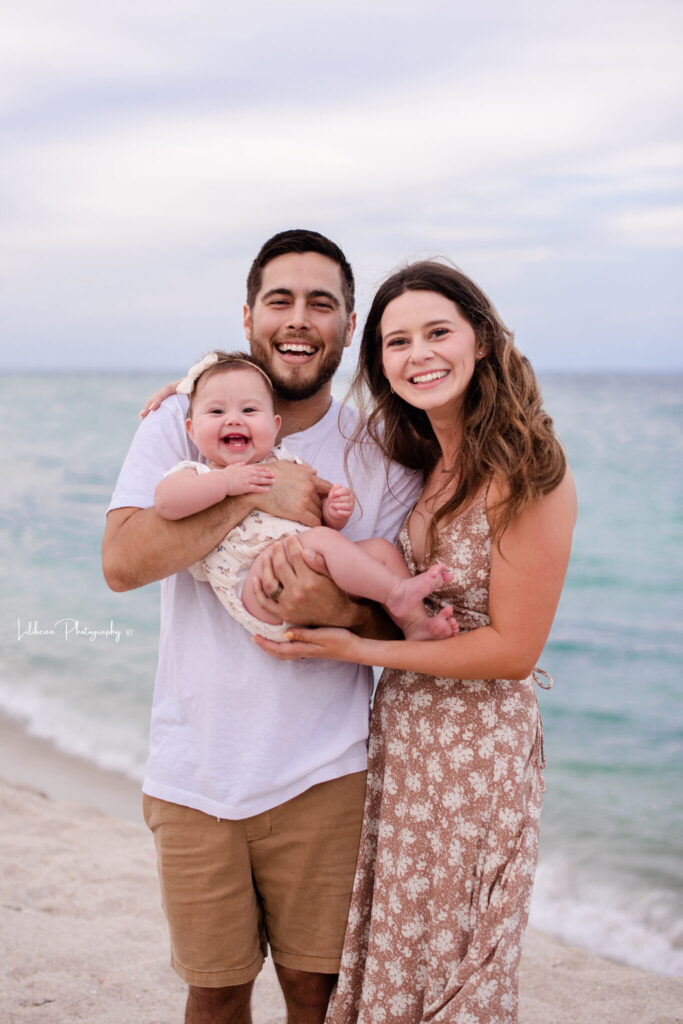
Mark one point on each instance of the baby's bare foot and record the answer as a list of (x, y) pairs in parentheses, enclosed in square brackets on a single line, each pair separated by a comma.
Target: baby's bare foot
[(442, 626), (405, 603)]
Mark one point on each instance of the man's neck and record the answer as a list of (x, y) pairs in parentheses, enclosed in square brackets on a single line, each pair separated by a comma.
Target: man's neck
[(305, 412)]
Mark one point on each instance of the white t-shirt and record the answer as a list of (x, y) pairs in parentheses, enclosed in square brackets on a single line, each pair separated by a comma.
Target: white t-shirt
[(233, 731)]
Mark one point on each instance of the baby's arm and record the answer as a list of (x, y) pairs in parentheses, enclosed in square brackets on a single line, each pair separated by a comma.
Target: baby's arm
[(185, 492), (338, 506)]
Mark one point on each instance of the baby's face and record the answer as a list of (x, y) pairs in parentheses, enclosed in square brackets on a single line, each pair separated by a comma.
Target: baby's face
[(233, 418)]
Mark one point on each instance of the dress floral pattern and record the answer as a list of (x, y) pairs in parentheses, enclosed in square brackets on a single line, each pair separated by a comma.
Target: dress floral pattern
[(450, 835)]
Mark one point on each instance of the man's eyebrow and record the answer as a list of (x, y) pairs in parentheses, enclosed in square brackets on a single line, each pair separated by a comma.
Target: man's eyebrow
[(277, 291), (318, 293)]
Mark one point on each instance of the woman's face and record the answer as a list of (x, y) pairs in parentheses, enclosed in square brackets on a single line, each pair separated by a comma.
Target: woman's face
[(428, 352)]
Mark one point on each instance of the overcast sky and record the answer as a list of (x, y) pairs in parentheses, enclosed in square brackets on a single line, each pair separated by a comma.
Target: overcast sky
[(150, 146)]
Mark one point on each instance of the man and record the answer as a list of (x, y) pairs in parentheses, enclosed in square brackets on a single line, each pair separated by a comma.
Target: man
[(254, 784)]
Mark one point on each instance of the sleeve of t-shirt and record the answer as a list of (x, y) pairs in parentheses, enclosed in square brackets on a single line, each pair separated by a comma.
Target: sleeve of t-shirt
[(160, 442), (400, 494), (199, 468)]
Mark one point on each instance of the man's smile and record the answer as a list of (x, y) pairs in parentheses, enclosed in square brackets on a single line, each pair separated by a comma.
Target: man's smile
[(296, 349)]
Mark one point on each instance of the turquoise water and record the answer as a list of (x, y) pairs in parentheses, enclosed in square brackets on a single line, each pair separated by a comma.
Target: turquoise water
[(77, 661), (611, 870)]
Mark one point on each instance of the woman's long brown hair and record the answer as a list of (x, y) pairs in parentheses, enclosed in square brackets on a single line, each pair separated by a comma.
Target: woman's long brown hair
[(506, 433)]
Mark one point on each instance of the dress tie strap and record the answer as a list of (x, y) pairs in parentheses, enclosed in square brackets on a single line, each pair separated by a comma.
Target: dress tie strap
[(540, 672), (539, 744)]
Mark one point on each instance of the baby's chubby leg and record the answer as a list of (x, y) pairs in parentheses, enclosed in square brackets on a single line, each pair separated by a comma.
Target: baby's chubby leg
[(372, 569), (375, 570)]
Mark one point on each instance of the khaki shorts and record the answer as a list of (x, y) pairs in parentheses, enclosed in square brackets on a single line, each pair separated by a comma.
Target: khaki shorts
[(283, 877)]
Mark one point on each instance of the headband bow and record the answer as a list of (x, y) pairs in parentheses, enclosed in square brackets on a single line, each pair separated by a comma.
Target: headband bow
[(186, 386)]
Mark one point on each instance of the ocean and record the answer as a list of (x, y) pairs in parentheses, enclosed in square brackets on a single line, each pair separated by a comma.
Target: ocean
[(77, 661)]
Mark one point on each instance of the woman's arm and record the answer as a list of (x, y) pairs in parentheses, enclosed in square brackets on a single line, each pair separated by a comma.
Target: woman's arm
[(185, 492), (527, 575)]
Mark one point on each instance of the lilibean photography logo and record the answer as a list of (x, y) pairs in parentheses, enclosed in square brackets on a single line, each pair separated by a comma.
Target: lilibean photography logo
[(70, 630)]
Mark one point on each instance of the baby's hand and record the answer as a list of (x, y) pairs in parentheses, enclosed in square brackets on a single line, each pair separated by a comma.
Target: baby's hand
[(338, 506), (247, 478)]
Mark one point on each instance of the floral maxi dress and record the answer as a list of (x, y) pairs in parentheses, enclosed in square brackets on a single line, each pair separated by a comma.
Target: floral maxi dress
[(450, 834)]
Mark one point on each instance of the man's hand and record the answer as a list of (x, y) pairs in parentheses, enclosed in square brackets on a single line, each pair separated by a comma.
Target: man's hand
[(308, 596), (158, 397), (296, 493)]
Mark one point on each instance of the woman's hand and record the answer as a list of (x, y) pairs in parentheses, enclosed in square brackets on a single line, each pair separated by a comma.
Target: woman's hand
[(326, 642)]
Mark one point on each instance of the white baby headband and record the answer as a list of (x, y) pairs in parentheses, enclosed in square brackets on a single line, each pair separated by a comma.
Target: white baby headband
[(186, 386)]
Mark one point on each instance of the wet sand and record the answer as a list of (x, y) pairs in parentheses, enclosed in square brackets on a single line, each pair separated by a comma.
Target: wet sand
[(84, 937)]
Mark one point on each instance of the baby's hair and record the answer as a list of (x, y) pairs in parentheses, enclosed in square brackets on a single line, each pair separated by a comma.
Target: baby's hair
[(226, 362)]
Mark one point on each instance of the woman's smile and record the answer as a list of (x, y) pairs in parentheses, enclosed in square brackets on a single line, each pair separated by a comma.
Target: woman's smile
[(429, 379)]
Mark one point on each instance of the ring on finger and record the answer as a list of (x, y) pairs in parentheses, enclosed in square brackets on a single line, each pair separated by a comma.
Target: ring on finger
[(276, 593)]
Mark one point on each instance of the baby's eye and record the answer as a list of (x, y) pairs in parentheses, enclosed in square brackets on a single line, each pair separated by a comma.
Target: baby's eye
[(216, 412), (248, 408)]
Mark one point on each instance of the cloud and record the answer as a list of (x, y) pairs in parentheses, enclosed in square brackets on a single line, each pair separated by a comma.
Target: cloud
[(658, 227), (151, 147)]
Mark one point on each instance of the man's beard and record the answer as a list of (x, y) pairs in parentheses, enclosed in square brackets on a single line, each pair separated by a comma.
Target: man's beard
[(295, 387)]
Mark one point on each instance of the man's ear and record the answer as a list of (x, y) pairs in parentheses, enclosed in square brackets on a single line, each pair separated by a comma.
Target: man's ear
[(350, 330), (246, 322)]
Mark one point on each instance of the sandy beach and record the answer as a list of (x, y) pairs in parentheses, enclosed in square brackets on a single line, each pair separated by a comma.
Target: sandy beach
[(84, 937)]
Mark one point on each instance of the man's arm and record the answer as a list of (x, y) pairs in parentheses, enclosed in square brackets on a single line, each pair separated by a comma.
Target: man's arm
[(140, 547)]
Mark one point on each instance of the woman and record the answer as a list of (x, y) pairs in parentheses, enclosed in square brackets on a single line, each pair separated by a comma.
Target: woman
[(449, 842)]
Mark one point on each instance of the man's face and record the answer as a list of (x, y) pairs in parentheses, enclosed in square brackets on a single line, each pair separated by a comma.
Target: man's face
[(299, 326)]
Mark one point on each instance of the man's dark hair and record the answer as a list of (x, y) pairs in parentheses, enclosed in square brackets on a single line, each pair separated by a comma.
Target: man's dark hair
[(299, 240)]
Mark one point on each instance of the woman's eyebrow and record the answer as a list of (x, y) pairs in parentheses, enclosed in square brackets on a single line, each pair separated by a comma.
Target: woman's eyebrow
[(429, 323)]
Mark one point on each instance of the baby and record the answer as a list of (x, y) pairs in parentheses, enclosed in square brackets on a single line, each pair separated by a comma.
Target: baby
[(232, 421)]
